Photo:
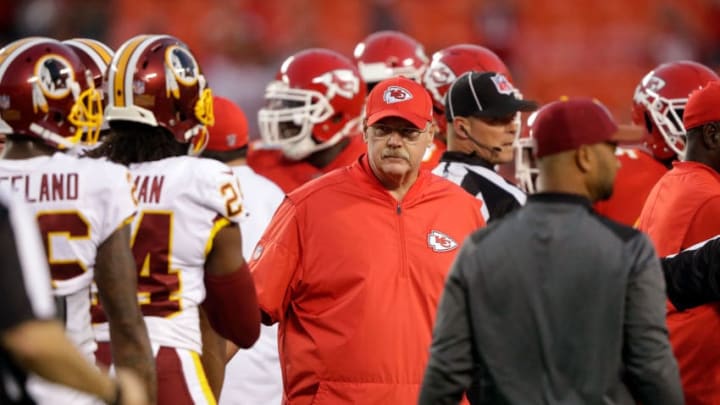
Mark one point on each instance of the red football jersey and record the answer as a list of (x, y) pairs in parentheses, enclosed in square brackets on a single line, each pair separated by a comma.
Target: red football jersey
[(291, 174), (682, 209), (638, 173)]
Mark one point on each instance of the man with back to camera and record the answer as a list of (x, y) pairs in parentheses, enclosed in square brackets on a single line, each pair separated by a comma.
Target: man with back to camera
[(31, 339), (481, 111), (542, 300)]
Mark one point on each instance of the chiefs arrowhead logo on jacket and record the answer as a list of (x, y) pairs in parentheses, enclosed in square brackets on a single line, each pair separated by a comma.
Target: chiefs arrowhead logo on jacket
[(439, 242)]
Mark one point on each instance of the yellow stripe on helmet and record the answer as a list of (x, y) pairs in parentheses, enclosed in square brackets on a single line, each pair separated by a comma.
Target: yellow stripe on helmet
[(119, 67)]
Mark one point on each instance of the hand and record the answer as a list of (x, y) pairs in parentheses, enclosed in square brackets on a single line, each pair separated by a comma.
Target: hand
[(132, 389)]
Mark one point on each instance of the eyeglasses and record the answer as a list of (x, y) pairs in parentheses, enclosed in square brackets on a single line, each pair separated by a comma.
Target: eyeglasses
[(381, 131)]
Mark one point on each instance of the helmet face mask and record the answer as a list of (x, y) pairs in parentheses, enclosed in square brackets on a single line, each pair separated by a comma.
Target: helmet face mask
[(155, 80), (526, 170), (45, 92), (96, 57), (315, 101), (659, 103)]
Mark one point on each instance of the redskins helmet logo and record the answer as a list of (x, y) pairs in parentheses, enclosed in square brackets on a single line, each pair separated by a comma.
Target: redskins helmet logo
[(55, 76), (341, 82), (182, 64), (396, 94)]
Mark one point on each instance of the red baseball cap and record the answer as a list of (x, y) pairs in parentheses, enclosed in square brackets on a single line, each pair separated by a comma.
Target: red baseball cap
[(568, 124), (702, 106), (399, 97), (230, 131)]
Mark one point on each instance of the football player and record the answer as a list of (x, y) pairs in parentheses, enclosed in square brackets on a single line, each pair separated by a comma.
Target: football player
[(185, 235), (658, 106), (311, 122), (83, 207)]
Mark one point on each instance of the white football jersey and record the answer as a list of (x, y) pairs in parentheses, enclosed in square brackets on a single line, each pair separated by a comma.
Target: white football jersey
[(253, 376), (182, 203), (78, 204)]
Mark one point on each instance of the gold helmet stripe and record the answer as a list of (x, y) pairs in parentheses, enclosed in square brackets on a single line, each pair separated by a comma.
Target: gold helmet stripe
[(11, 51), (98, 52), (118, 69)]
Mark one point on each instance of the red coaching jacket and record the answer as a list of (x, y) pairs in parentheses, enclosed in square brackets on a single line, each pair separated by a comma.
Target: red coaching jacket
[(682, 209), (354, 278)]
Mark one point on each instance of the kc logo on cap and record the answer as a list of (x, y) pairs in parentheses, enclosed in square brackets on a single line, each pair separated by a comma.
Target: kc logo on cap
[(396, 94)]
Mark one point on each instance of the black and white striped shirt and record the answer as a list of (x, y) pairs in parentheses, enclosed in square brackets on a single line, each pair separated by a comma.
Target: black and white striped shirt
[(477, 177), (25, 292)]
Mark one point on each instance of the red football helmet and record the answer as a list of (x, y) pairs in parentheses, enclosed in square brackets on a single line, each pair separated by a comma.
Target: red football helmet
[(450, 63), (387, 54), (315, 100), (155, 80), (659, 102), (96, 57), (47, 92), (526, 170)]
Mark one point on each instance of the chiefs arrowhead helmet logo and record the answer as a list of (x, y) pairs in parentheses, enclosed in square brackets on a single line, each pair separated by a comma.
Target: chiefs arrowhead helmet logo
[(440, 242), (342, 82), (396, 94)]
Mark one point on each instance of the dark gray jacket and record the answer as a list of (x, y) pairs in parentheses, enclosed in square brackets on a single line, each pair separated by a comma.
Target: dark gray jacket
[(557, 305)]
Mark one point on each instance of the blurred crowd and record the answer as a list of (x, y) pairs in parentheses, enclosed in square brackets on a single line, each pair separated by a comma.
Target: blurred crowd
[(553, 47)]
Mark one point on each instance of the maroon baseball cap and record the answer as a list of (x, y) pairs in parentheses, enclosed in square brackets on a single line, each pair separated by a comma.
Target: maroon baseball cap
[(568, 124), (399, 97), (702, 106), (230, 131)]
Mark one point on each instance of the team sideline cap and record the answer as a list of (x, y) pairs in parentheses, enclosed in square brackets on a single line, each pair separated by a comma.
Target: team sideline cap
[(568, 124), (399, 97), (703, 106), (230, 131), (484, 95)]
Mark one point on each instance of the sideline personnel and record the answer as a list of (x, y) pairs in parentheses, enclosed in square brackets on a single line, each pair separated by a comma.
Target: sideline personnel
[(544, 298), (353, 263)]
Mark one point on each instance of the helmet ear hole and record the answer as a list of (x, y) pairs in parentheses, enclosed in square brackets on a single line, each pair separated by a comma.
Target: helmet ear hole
[(648, 123), (336, 118)]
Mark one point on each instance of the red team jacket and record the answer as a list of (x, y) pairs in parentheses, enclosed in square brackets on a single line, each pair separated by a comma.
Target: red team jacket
[(682, 209), (354, 277), (638, 173), (291, 174)]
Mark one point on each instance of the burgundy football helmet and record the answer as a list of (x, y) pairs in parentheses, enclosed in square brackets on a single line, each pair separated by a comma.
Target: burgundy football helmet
[(155, 80), (387, 54), (659, 103), (47, 92), (315, 100), (96, 57)]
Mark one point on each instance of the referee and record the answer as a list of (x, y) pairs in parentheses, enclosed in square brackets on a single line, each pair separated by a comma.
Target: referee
[(482, 113), (30, 339)]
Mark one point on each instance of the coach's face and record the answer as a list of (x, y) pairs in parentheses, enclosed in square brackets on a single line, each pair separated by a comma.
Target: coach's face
[(396, 147)]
